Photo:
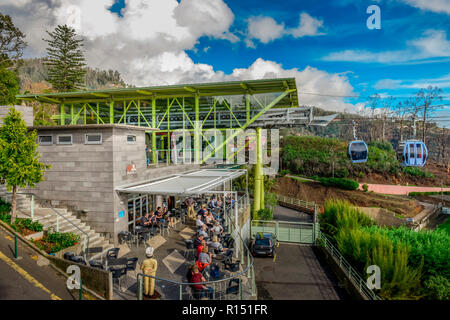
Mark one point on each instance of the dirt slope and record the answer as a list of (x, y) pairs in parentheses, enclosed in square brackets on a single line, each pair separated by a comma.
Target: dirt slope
[(313, 191)]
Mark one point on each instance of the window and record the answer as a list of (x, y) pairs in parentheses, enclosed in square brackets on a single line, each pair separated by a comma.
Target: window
[(131, 139), (93, 138), (45, 140), (65, 139)]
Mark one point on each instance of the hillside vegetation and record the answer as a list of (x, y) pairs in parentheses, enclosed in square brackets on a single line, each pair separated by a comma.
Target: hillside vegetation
[(319, 157)]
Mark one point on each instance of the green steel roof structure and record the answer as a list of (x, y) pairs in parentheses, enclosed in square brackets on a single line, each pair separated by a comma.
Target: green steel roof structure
[(189, 107), (184, 90)]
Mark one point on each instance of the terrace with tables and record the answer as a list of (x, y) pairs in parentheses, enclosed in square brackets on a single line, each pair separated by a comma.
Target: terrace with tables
[(174, 250)]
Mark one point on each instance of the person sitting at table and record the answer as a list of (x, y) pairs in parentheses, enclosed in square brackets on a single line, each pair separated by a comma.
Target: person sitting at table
[(217, 229), (198, 241), (212, 203), (200, 248), (216, 245), (197, 279), (199, 223), (145, 222), (203, 232), (209, 219), (167, 216), (152, 218), (205, 256), (202, 211), (159, 215)]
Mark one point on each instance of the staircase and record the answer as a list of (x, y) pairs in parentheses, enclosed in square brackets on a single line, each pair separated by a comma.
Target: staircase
[(68, 222)]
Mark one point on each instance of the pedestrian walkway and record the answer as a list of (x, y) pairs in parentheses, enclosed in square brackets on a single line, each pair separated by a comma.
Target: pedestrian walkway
[(400, 190), (296, 273), (30, 277)]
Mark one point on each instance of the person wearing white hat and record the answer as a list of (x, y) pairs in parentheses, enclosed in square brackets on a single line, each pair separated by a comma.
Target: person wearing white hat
[(149, 267)]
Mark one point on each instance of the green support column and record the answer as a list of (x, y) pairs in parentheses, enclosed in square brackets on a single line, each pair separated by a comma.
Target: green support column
[(258, 174), (71, 114), (98, 113), (247, 105), (262, 188), (197, 145), (154, 158), (111, 112), (63, 115), (168, 132)]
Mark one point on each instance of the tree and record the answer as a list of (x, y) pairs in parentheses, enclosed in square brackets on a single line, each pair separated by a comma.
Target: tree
[(373, 104), (427, 96), (65, 59), (19, 157), (9, 86), (11, 41)]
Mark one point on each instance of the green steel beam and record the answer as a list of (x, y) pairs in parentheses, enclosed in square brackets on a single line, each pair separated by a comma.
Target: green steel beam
[(63, 114), (111, 112), (196, 132), (274, 102), (155, 159)]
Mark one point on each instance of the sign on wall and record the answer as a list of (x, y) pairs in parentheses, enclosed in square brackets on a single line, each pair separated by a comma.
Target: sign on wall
[(131, 168), (121, 214)]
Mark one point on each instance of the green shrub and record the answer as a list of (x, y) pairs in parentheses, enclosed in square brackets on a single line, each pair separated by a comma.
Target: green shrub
[(398, 280), (365, 187), (284, 172), (20, 224), (5, 207), (339, 214), (431, 193), (437, 288), (265, 214), (429, 246), (342, 183), (417, 172)]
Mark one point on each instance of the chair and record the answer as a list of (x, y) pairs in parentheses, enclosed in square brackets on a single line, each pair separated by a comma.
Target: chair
[(164, 226), (131, 265), (96, 264), (112, 253), (92, 251), (231, 266), (233, 286), (125, 237), (118, 274), (190, 248), (144, 236), (78, 259), (69, 255)]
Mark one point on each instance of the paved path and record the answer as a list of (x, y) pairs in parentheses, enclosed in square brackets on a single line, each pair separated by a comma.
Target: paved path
[(287, 214), (400, 190), (296, 273), (29, 277)]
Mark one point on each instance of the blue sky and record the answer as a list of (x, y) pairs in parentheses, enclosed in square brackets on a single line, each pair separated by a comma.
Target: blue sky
[(325, 45), (344, 28)]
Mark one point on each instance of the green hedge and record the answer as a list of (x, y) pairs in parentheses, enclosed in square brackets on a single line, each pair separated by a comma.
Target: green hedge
[(5, 207), (432, 193), (342, 183), (417, 172)]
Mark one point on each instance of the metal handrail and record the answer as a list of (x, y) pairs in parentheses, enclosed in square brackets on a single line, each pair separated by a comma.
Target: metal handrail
[(248, 270), (350, 271), (49, 206), (295, 201)]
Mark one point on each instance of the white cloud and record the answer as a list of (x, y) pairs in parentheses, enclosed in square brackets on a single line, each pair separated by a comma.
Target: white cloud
[(266, 29), (148, 45), (308, 26), (433, 44), (439, 6), (441, 82)]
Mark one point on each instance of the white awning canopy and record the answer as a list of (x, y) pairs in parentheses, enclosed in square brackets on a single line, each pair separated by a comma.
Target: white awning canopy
[(191, 183)]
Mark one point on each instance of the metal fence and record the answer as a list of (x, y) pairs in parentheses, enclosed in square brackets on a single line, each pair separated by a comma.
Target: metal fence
[(351, 273), (286, 231)]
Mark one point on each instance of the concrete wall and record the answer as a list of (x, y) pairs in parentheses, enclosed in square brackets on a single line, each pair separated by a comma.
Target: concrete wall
[(383, 217), (84, 176), (27, 113)]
